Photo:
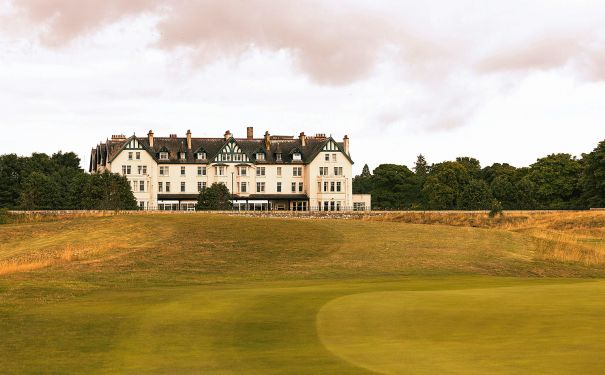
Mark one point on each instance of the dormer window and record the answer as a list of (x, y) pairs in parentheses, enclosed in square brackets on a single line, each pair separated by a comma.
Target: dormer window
[(278, 157), (183, 155), (296, 156), (260, 156), (201, 155), (163, 156)]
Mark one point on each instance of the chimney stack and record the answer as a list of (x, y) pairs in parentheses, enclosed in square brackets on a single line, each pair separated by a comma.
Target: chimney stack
[(249, 132), (345, 141), (227, 135), (303, 139), (189, 139), (150, 138), (267, 140)]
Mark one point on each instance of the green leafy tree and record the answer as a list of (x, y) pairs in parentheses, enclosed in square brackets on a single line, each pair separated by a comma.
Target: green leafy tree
[(39, 192), (557, 179), (444, 185), (107, 191), (593, 181), (215, 197), (421, 167), (365, 172), (395, 187), (362, 184), (472, 165), (11, 177), (476, 195)]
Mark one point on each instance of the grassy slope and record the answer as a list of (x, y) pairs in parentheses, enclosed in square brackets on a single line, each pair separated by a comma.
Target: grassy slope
[(234, 294)]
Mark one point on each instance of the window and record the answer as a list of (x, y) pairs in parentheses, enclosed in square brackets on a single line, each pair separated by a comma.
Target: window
[(325, 185), (260, 171), (243, 171), (160, 187), (182, 171), (278, 157), (294, 187), (183, 155), (327, 157), (323, 171), (201, 171), (142, 169), (201, 155), (163, 170), (296, 156), (297, 171), (300, 187), (243, 187), (134, 186), (220, 170), (183, 187), (130, 156), (260, 187), (279, 187), (337, 171), (326, 206), (359, 206), (334, 157), (167, 187), (142, 205), (126, 169), (138, 155), (338, 186), (279, 171), (201, 186), (163, 156), (260, 156), (141, 185), (332, 186), (237, 157)]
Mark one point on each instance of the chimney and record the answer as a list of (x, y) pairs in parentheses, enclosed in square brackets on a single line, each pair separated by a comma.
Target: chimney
[(150, 138), (189, 139), (267, 140), (345, 141), (249, 132), (227, 135), (303, 139)]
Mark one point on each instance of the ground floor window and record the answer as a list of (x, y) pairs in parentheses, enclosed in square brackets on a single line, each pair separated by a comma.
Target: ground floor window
[(142, 205), (299, 206), (359, 206)]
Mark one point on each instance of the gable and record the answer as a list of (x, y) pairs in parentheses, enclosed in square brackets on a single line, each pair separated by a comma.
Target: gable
[(231, 152), (133, 144), (331, 146)]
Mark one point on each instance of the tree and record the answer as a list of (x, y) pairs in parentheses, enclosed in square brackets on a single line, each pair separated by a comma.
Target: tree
[(395, 187), (365, 172), (362, 184), (476, 195), (11, 176), (593, 181), (107, 191), (444, 185), (557, 181), (472, 165), (39, 192), (215, 197), (421, 167), (66, 160)]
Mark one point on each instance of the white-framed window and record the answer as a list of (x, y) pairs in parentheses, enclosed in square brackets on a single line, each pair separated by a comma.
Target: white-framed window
[(260, 187), (167, 187), (296, 156), (126, 169), (134, 186), (260, 156), (164, 170), (337, 171), (260, 171), (220, 170), (138, 155), (141, 185), (182, 171), (332, 186), (338, 186), (327, 157), (201, 155), (160, 187), (182, 186), (163, 155), (201, 185), (323, 171), (334, 157), (278, 157), (325, 186), (130, 156), (243, 171), (142, 169), (243, 187), (279, 187), (297, 171), (142, 205), (294, 187), (300, 187), (278, 171), (359, 206), (201, 171), (237, 157)]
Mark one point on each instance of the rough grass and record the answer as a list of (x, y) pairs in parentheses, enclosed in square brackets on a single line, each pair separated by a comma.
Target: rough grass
[(207, 293)]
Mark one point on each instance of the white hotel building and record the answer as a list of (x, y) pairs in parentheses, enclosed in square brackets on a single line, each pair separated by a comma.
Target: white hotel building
[(268, 173)]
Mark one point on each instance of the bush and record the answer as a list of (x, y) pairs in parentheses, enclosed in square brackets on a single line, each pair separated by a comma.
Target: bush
[(4, 216), (495, 209)]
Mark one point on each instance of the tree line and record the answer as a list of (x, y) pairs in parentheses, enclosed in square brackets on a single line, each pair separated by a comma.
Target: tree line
[(56, 182), (554, 182)]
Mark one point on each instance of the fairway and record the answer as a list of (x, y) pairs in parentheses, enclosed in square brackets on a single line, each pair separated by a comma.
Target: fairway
[(205, 293)]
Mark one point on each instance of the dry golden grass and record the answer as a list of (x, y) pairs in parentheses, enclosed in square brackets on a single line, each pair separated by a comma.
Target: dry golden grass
[(564, 236)]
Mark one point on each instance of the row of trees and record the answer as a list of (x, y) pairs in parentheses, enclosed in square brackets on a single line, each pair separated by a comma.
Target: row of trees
[(557, 181), (57, 182)]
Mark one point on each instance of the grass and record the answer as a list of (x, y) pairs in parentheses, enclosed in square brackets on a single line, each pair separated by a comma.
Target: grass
[(204, 293)]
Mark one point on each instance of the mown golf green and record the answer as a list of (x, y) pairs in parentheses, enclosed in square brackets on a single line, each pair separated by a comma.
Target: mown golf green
[(203, 293)]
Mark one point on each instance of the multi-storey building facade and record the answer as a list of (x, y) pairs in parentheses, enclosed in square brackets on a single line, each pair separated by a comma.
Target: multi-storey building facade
[(272, 172)]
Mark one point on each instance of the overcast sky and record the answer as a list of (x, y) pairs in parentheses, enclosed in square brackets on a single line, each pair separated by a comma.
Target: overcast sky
[(502, 81)]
